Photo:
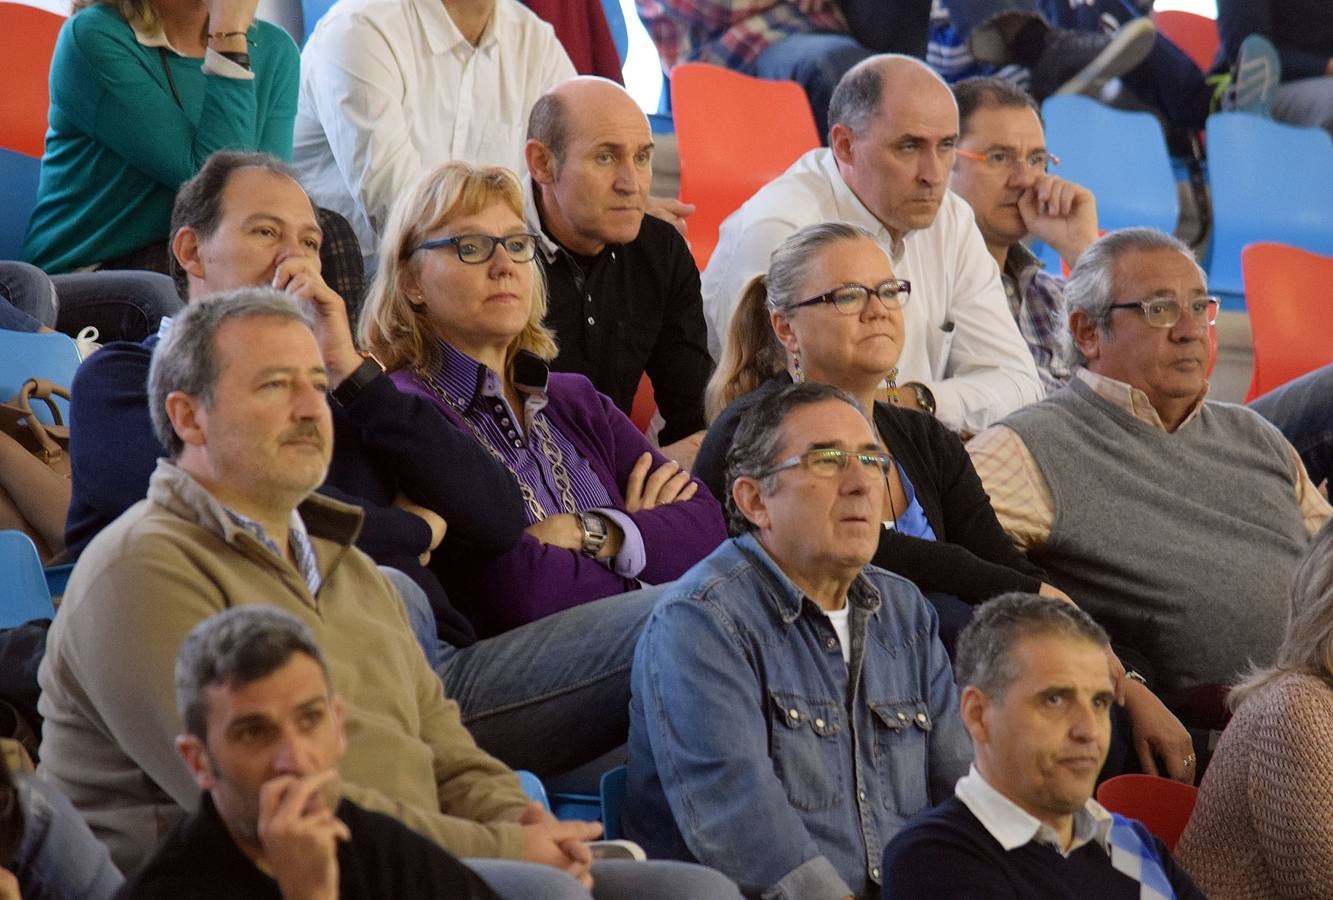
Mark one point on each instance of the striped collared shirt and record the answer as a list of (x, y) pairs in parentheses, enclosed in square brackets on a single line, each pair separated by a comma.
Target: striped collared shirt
[(297, 538), (477, 393)]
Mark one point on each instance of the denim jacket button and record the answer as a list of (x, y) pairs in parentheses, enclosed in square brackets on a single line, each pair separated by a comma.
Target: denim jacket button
[(861, 795), (902, 717), (921, 718), (819, 723), (874, 873), (794, 714)]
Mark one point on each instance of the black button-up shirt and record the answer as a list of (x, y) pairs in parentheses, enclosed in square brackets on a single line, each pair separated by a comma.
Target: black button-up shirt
[(632, 309)]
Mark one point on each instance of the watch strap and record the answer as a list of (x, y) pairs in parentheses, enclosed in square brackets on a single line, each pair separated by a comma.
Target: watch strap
[(355, 384)]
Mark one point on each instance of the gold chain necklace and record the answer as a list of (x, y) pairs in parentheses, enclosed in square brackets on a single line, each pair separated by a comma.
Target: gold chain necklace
[(550, 449)]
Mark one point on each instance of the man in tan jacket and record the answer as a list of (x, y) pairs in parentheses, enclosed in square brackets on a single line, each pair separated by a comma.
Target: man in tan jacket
[(237, 393)]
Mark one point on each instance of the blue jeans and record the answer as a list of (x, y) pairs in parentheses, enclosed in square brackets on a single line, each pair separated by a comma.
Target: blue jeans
[(59, 858), (1303, 411), (547, 696), (1305, 101), (612, 880), (121, 305), (816, 62), (30, 297)]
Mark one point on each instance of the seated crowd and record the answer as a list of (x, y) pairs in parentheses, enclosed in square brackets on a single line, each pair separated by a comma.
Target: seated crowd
[(940, 542)]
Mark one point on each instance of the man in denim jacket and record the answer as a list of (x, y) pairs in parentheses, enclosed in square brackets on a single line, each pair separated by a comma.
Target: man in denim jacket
[(792, 706)]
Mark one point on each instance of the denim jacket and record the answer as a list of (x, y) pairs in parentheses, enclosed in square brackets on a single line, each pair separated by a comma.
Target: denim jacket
[(754, 749)]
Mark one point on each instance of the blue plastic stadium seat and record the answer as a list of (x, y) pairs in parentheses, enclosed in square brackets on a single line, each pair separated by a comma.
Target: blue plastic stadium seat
[(51, 356), (311, 12), (18, 195), (23, 592), (533, 787), (1270, 182), (614, 784), (1120, 156)]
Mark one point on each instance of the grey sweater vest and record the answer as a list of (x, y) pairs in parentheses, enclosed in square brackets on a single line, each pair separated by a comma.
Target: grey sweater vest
[(1181, 545)]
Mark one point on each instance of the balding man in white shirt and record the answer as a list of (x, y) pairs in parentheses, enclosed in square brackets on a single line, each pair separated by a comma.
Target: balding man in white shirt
[(891, 147)]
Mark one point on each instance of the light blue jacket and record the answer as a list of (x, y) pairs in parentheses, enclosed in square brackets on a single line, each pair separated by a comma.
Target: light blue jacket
[(755, 750)]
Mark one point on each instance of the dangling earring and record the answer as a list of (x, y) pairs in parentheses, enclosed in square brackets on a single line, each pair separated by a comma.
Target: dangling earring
[(797, 373), (891, 385)]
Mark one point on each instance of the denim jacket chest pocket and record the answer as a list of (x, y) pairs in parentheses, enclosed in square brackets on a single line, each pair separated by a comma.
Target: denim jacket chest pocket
[(809, 750), (902, 732)]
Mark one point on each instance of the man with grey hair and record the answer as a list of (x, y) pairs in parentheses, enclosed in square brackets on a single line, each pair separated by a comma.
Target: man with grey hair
[(792, 706), (264, 731), (1003, 171), (1036, 701), (622, 287), (1175, 521), (891, 146)]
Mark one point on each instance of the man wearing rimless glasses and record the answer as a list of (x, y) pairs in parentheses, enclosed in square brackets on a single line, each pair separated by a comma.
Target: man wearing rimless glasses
[(1003, 168), (1175, 521)]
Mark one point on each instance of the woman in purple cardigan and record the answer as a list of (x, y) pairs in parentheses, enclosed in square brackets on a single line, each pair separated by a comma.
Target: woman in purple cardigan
[(455, 314)]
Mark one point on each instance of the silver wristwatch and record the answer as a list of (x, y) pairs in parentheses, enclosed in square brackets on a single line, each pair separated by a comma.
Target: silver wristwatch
[(594, 533)]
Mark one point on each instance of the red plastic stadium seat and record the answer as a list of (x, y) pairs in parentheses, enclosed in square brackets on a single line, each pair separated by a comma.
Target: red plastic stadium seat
[(1291, 312), (735, 134), (1163, 805), (27, 40)]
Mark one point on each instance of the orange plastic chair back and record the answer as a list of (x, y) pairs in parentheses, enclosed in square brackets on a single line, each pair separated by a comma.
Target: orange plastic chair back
[(1162, 805), (1195, 34), (27, 40), (734, 134), (1291, 312)]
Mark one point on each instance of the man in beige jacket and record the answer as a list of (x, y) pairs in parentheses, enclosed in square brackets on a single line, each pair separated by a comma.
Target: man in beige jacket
[(237, 393)]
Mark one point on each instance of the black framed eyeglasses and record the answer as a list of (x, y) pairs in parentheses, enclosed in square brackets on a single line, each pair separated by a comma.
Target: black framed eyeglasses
[(1162, 312), (479, 248), (850, 299), (827, 462)]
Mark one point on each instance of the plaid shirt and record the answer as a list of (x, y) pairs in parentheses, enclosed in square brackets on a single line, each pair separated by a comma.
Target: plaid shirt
[(730, 33), (1036, 298)]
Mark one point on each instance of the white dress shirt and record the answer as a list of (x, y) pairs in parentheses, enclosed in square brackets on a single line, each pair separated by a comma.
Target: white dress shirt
[(391, 88), (1012, 827), (961, 340)]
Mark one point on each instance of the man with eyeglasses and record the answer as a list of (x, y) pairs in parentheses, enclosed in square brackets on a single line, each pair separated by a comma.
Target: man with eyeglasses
[(1003, 169), (792, 706), (1175, 521), (891, 146)]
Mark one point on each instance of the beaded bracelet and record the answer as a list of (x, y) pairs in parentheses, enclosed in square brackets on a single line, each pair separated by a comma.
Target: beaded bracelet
[(222, 35)]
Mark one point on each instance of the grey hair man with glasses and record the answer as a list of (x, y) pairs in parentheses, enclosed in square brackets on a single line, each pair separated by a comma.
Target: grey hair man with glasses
[(1174, 520), (792, 706), (1004, 170)]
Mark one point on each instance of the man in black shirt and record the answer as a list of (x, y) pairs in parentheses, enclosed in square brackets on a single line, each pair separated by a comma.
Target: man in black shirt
[(623, 287), (264, 733)]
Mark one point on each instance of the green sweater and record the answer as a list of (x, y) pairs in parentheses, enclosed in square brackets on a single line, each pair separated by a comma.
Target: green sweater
[(119, 146)]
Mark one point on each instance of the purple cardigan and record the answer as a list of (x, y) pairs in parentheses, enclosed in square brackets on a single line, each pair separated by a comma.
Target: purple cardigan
[(534, 580)]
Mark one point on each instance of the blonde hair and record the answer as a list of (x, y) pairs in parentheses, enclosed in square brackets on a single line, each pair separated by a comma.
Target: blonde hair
[(752, 353), (395, 329), (138, 13), (1307, 646)]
